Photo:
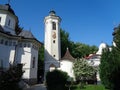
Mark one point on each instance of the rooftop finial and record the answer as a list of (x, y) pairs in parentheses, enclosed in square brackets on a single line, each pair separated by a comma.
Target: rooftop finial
[(52, 12)]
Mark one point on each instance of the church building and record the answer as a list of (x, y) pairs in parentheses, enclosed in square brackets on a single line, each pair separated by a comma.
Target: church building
[(19, 48)]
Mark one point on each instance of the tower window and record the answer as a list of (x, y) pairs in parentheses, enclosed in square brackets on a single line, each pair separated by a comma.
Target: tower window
[(53, 25), (53, 41), (9, 23)]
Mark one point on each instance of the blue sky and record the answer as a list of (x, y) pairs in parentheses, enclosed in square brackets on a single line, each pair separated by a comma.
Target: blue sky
[(87, 21)]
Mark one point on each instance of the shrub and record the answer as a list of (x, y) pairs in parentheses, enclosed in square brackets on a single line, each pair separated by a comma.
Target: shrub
[(9, 79), (56, 80)]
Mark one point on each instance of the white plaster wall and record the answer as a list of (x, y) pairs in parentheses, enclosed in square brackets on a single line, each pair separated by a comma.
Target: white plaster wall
[(4, 23), (50, 47), (24, 57), (6, 54), (94, 62), (67, 66), (33, 71)]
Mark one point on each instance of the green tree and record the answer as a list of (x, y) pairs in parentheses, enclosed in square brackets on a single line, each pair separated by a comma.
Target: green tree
[(82, 70), (78, 50), (105, 67), (18, 28), (41, 63), (82, 50), (110, 64), (65, 41)]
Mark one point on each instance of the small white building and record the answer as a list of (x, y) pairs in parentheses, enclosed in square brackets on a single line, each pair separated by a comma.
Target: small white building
[(17, 49), (66, 64)]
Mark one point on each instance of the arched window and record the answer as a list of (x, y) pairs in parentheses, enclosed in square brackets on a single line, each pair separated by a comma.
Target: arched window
[(9, 22), (53, 25)]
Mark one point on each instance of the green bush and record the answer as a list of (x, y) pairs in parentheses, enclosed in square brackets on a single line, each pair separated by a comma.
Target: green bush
[(56, 80), (9, 79)]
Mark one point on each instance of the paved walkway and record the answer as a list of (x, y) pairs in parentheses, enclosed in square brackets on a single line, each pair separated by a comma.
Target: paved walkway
[(37, 87)]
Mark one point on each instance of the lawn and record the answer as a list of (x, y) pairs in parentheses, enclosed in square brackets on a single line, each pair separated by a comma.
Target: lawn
[(89, 87)]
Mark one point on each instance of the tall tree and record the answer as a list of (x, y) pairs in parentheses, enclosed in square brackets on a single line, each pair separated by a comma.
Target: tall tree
[(18, 28), (41, 64), (65, 41), (110, 64)]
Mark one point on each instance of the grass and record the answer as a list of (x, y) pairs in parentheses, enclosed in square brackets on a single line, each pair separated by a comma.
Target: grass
[(89, 87)]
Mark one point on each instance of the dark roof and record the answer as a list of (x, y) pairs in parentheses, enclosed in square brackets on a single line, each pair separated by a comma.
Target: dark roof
[(8, 8), (26, 34), (67, 56)]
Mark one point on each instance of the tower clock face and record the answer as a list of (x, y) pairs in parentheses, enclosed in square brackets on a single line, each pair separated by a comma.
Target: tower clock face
[(54, 35)]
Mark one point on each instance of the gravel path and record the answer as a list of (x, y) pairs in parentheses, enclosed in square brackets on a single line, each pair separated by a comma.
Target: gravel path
[(37, 87)]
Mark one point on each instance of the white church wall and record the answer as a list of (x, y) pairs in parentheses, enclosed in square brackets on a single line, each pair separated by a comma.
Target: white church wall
[(48, 35), (24, 57), (8, 23), (12, 22), (7, 49), (34, 63)]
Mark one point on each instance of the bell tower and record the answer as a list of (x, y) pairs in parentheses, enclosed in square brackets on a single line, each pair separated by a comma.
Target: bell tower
[(52, 41)]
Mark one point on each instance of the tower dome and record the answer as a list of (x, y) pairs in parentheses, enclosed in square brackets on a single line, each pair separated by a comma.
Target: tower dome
[(52, 13), (102, 46)]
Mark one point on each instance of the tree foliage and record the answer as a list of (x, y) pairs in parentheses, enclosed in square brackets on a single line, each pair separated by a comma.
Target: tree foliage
[(110, 64), (65, 41), (40, 63), (56, 80), (9, 79), (82, 70), (78, 50), (18, 28)]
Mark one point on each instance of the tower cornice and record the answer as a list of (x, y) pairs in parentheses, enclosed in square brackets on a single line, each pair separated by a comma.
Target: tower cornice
[(52, 17)]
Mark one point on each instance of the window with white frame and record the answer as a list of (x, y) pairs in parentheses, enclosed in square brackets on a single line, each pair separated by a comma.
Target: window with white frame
[(53, 25)]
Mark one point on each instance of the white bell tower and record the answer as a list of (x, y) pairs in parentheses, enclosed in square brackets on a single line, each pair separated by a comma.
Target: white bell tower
[(52, 41)]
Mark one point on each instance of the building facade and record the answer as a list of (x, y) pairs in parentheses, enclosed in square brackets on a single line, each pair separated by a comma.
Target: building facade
[(19, 48)]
